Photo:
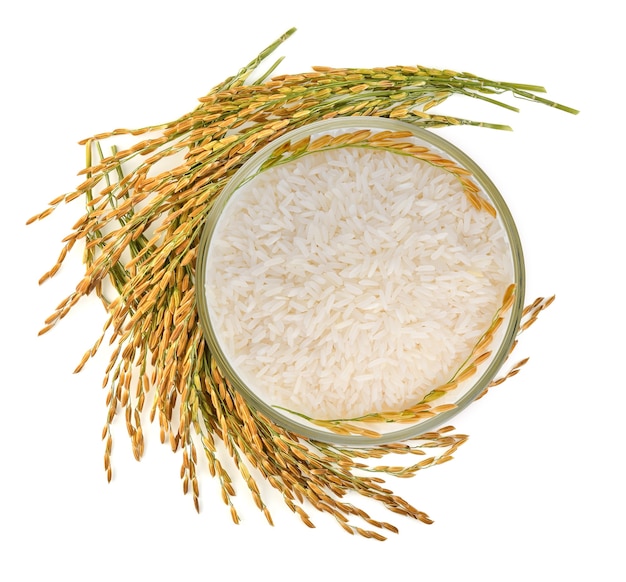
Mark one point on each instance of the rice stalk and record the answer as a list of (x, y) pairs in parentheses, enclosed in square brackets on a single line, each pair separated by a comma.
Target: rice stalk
[(140, 233), (423, 409)]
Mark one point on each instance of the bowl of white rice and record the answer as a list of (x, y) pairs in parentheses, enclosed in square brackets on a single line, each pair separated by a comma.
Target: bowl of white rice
[(360, 281)]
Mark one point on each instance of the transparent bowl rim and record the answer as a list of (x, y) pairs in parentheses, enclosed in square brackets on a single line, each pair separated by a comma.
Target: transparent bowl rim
[(519, 276)]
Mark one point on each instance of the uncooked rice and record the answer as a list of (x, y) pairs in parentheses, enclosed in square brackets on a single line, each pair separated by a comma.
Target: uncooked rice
[(352, 281)]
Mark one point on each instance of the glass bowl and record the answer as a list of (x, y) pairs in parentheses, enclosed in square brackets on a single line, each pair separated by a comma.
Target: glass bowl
[(382, 177)]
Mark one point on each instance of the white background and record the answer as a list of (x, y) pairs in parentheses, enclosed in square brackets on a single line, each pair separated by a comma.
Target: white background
[(538, 491)]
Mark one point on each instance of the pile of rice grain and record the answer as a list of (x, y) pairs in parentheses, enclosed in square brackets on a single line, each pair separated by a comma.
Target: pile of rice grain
[(352, 281)]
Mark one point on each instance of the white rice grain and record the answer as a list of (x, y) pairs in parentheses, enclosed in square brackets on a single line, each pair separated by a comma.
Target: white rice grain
[(352, 281)]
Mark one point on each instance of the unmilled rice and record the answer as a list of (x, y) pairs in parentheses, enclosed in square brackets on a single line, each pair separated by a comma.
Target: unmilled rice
[(352, 281)]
